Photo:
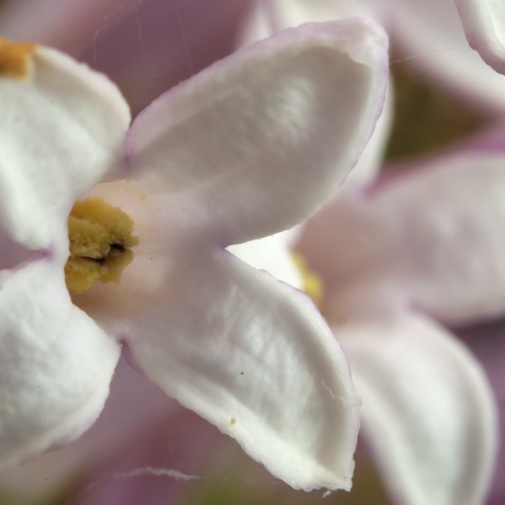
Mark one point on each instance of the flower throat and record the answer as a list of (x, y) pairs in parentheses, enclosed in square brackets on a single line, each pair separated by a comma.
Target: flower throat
[(100, 238)]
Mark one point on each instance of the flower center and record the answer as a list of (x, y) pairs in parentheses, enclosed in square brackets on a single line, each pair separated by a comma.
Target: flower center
[(15, 58), (100, 238), (312, 283)]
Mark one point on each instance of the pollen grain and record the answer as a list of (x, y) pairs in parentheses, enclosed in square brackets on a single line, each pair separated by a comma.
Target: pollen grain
[(15, 58), (100, 238)]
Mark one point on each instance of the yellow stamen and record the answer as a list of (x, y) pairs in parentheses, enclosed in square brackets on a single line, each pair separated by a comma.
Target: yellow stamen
[(312, 283), (15, 58), (100, 237)]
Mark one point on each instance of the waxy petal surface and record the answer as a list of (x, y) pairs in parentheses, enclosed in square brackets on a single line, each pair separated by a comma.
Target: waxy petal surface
[(55, 366), (270, 17), (430, 238), (61, 127), (484, 25), (428, 411), (254, 357), (372, 157), (285, 117)]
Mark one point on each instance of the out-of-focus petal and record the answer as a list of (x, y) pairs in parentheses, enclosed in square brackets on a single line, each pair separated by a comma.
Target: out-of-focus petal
[(487, 343), (484, 25), (272, 16), (55, 366), (76, 23), (489, 140), (62, 126), (280, 118), (430, 238), (428, 412), (255, 358), (430, 38)]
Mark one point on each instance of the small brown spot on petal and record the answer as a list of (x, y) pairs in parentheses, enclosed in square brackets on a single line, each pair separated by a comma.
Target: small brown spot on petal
[(15, 58)]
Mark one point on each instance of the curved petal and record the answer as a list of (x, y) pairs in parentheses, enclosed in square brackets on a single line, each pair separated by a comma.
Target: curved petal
[(134, 408), (62, 126), (255, 358), (269, 17), (258, 141), (55, 364), (484, 25), (428, 411), (372, 157), (430, 37), (432, 237)]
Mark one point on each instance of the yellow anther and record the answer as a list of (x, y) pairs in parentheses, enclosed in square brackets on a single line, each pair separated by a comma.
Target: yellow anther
[(312, 283), (100, 238), (15, 58)]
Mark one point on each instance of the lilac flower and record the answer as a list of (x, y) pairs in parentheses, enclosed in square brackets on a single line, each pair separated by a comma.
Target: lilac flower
[(247, 148), (400, 259)]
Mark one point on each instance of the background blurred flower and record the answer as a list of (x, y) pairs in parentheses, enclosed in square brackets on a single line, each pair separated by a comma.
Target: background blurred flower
[(392, 257)]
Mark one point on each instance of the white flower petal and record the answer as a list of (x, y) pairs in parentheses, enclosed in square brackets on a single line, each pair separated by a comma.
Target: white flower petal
[(133, 409), (62, 127), (55, 364), (256, 143), (428, 411), (269, 17), (430, 238), (484, 24), (372, 158), (255, 358)]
